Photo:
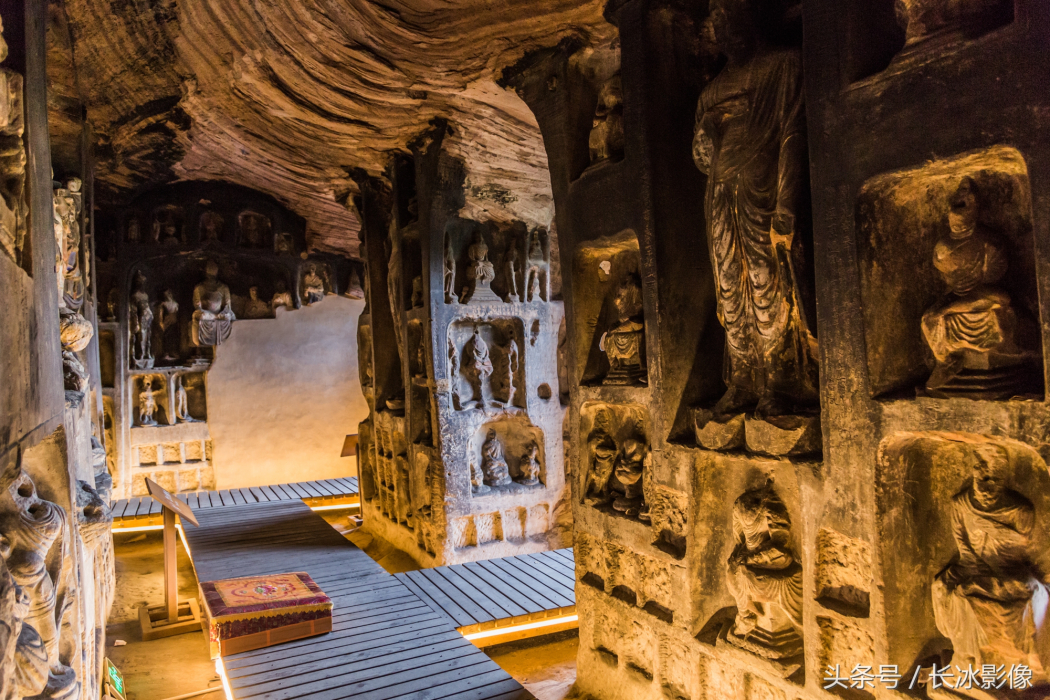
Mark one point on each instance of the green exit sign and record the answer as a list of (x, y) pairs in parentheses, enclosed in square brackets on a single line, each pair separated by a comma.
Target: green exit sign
[(113, 682)]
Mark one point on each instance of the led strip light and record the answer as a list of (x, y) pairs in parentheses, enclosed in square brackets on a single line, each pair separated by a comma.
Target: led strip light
[(499, 631)]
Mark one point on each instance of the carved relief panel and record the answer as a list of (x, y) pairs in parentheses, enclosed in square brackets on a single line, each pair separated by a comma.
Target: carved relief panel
[(487, 364), (948, 247)]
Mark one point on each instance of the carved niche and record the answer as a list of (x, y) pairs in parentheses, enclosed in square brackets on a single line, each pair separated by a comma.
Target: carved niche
[(254, 230), (606, 140), (487, 365), (764, 576), (963, 516), (608, 298), (617, 473), (506, 456), (168, 225), (948, 279)]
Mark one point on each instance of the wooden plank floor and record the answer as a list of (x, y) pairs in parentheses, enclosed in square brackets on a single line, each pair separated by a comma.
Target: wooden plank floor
[(385, 641), (134, 512), (499, 592)]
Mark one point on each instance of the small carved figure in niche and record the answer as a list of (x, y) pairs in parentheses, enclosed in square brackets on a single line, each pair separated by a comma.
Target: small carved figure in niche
[(313, 285), (602, 451), (512, 267), (182, 403), (168, 321), (493, 464), (750, 140), (428, 429), (417, 292), (631, 463), (147, 403), (167, 225), (213, 318), (510, 371), (450, 272), (480, 368), (32, 526), (477, 479), (539, 265), (354, 290), (453, 374), (991, 596), (281, 297), (171, 235), (210, 226), (420, 368), (606, 140), (134, 230), (529, 466), (255, 307), (974, 332), (284, 244), (140, 323), (481, 272), (765, 576), (112, 304), (13, 208), (254, 229), (625, 344)]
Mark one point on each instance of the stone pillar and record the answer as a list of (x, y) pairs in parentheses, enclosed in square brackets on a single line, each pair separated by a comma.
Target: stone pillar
[(467, 451)]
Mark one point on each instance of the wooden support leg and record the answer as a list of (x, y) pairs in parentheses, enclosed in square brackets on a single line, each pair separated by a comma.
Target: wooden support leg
[(171, 567)]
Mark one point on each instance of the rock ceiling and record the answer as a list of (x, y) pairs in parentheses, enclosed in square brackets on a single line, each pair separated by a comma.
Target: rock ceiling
[(288, 96)]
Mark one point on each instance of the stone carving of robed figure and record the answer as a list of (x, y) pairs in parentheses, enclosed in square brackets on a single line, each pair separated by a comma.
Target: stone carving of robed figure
[(750, 142), (213, 317), (974, 328), (991, 599)]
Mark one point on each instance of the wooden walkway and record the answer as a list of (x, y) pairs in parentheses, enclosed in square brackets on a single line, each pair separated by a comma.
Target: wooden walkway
[(144, 511), (385, 642), (490, 596)]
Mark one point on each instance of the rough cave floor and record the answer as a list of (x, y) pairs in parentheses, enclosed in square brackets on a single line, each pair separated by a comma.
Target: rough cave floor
[(169, 667)]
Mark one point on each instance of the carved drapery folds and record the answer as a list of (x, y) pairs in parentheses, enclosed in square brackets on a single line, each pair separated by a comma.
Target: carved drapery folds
[(764, 576), (750, 140)]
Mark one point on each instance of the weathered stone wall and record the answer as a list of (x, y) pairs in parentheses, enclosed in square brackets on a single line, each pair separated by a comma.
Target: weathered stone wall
[(778, 540), (56, 573)]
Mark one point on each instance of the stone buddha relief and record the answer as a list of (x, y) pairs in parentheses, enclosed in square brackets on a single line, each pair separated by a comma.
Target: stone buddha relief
[(991, 599), (981, 347), (213, 315), (750, 141), (764, 576)]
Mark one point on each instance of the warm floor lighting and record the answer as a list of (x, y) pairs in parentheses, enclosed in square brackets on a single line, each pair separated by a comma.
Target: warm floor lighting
[(500, 631), (221, 670)]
